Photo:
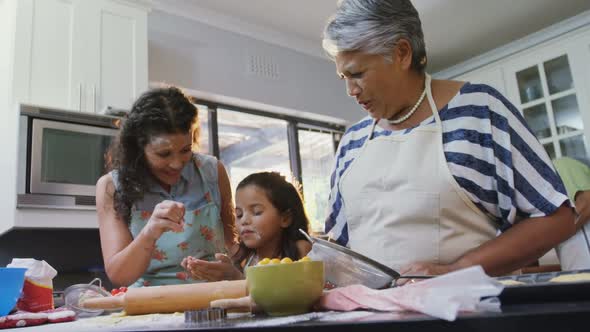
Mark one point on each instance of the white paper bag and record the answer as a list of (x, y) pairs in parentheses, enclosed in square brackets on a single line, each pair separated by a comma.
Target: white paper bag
[(38, 288)]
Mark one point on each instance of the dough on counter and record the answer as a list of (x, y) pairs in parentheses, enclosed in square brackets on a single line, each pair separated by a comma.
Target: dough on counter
[(121, 320), (572, 277), (510, 282)]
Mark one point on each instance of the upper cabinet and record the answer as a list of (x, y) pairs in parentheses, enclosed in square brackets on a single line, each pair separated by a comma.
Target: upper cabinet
[(80, 55), (116, 62), (580, 58), (492, 76), (550, 84), (49, 48), (548, 87)]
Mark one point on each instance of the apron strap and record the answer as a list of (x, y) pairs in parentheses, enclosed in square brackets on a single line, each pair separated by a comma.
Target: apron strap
[(203, 181), (452, 179), (433, 109)]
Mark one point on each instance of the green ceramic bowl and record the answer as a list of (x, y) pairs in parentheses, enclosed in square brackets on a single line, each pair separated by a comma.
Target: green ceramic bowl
[(286, 289)]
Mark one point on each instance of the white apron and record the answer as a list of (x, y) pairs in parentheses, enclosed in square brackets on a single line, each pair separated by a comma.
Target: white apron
[(402, 203)]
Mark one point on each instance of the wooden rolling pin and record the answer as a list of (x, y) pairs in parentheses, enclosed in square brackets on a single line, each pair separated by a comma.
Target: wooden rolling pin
[(166, 299)]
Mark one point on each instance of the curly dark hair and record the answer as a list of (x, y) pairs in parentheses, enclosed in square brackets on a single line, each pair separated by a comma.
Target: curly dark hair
[(286, 198), (159, 111)]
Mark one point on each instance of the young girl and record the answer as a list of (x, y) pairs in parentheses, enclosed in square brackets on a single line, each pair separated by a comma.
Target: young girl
[(269, 214)]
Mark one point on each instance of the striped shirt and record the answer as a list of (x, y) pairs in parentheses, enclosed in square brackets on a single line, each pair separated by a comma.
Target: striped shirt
[(490, 150)]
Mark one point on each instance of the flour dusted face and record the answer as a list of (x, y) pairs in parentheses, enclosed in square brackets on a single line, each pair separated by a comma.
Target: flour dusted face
[(167, 155), (259, 223)]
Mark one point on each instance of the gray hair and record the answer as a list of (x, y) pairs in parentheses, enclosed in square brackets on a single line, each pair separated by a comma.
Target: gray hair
[(374, 27)]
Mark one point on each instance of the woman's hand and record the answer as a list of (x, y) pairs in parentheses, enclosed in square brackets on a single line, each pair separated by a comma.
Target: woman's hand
[(583, 207), (422, 269), (167, 216), (222, 269)]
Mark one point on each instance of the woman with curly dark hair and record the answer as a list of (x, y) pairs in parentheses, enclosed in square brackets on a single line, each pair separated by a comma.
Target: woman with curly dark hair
[(162, 202)]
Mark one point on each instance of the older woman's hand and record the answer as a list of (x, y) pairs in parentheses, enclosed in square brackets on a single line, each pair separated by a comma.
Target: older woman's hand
[(583, 207), (222, 269), (422, 269)]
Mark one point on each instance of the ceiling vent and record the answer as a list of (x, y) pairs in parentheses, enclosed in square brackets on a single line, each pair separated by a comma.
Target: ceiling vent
[(263, 66)]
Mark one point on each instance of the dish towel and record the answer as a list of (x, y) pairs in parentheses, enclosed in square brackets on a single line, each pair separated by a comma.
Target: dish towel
[(24, 318), (442, 297)]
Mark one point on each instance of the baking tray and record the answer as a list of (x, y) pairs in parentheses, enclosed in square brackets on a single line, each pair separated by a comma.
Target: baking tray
[(538, 288)]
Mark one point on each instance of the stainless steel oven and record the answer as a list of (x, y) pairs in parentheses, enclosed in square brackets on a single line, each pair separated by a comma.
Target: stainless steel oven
[(62, 155)]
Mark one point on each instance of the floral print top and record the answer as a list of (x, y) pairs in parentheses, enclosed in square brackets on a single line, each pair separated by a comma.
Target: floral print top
[(202, 235)]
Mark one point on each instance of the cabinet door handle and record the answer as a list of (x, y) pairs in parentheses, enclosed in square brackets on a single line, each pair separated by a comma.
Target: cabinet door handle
[(80, 97), (94, 98)]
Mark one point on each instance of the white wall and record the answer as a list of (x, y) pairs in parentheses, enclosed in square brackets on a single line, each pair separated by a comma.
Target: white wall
[(204, 58), (9, 123)]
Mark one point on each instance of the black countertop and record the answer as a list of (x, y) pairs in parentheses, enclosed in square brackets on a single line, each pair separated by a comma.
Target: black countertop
[(557, 316)]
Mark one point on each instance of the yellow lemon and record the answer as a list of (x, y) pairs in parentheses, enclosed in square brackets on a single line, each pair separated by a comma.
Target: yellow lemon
[(304, 259), (286, 260), (275, 261), (264, 261)]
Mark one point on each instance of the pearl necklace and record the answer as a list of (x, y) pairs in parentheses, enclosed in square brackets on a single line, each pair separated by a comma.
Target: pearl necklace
[(409, 114)]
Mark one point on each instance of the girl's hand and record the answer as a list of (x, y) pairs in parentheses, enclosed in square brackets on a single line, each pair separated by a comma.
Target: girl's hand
[(167, 216), (222, 269)]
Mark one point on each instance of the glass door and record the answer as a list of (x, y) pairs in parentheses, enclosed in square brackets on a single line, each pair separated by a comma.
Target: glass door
[(549, 102), (316, 148)]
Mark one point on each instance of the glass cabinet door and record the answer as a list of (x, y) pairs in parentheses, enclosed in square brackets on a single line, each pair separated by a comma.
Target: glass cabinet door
[(529, 84), (549, 103)]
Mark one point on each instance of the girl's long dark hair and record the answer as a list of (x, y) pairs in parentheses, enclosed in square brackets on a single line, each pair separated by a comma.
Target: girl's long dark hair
[(286, 198), (157, 112)]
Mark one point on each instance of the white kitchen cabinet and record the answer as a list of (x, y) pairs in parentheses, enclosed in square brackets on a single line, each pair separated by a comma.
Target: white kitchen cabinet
[(116, 62), (549, 82), (49, 49), (580, 58), (548, 85), (80, 55), (493, 77)]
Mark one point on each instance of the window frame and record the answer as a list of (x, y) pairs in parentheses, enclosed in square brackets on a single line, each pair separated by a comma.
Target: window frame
[(294, 123)]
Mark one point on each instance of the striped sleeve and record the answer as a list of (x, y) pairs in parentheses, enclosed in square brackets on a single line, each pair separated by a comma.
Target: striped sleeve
[(496, 159)]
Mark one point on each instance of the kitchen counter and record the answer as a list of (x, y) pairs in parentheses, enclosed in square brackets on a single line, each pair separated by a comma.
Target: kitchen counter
[(558, 316)]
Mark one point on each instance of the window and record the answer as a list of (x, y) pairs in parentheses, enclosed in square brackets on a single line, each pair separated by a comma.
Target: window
[(316, 149), (204, 130), (249, 141)]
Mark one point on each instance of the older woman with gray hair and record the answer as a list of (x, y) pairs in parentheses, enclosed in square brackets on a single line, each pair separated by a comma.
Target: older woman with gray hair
[(440, 175)]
